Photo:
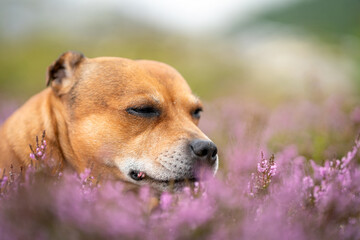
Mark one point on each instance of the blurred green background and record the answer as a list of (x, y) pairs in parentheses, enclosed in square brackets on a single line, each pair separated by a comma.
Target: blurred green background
[(251, 52)]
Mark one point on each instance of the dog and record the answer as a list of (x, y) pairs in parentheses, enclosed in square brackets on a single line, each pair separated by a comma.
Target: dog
[(132, 120)]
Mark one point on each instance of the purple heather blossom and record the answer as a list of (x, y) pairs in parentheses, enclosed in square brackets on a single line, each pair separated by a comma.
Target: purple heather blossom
[(165, 200), (286, 197), (308, 182), (40, 150), (266, 169), (3, 181), (262, 166), (85, 175)]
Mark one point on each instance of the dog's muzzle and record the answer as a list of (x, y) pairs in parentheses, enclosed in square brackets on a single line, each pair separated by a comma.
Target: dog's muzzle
[(194, 161)]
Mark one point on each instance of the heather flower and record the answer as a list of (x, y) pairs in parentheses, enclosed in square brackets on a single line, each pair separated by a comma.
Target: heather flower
[(326, 195), (85, 175), (39, 153), (165, 200), (260, 181), (307, 182), (350, 155), (3, 182)]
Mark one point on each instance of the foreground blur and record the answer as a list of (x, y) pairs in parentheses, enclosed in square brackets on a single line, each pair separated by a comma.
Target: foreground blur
[(253, 195)]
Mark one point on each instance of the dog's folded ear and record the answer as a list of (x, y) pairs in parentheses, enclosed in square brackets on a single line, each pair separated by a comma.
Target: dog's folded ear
[(60, 73)]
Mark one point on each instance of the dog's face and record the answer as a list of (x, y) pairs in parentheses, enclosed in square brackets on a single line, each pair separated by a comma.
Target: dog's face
[(135, 120)]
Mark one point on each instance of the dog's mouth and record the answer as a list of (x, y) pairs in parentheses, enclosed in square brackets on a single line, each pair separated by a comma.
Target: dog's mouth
[(142, 176)]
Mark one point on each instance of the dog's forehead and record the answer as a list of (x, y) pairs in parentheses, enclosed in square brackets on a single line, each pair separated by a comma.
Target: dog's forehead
[(136, 77)]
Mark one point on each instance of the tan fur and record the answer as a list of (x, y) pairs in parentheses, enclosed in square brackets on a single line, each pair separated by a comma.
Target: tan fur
[(91, 126)]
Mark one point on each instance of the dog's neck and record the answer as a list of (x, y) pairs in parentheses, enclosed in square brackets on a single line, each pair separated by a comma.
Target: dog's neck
[(41, 114)]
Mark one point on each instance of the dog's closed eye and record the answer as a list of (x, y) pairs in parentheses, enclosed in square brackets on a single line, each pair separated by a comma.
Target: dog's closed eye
[(197, 113), (144, 111)]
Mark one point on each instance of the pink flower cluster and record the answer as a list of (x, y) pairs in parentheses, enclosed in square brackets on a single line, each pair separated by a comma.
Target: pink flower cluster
[(40, 151), (333, 174), (261, 180), (287, 196)]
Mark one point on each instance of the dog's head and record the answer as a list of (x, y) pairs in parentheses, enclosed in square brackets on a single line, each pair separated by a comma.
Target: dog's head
[(135, 120)]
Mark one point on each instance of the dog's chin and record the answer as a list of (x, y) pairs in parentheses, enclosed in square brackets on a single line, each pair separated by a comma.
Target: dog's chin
[(162, 180), (171, 183)]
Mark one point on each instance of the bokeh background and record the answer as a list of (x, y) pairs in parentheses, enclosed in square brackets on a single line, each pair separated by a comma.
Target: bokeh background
[(277, 77), (254, 55)]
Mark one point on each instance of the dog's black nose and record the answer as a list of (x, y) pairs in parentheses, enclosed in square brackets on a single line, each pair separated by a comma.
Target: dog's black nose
[(204, 150)]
